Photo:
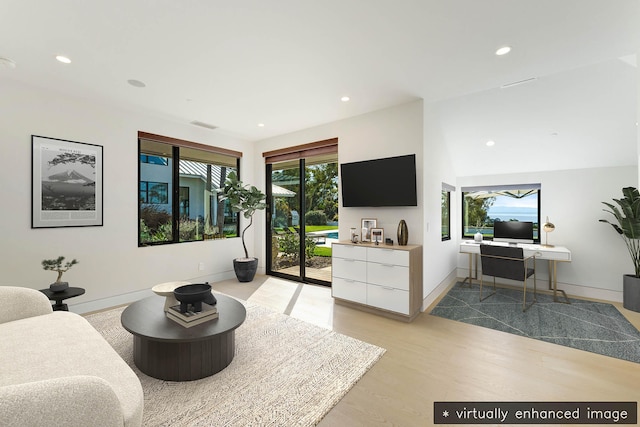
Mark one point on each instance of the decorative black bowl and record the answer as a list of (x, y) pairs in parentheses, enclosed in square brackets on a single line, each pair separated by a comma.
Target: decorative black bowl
[(192, 295)]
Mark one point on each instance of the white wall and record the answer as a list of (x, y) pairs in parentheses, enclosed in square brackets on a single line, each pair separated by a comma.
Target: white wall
[(389, 132), (112, 265), (439, 256), (572, 199)]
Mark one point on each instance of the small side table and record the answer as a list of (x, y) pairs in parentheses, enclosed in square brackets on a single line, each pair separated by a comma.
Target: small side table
[(58, 297)]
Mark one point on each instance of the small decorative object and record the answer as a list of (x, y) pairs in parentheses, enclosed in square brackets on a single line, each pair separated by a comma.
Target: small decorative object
[(166, 290), (193, 295), (366, 225), (388, 241), (548, 227), (478, 237), (58, 265), (403, 233), (377, 235), (352, 235)]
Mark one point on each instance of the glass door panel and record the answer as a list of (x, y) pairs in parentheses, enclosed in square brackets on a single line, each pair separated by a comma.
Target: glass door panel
[(285, 219), (321, 216)]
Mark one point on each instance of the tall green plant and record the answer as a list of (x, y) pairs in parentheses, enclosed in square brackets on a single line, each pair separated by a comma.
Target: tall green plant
[(627, 214), (242, 198)]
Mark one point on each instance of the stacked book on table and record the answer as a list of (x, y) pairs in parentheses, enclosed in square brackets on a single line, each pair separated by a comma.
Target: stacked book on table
[(192, 318)]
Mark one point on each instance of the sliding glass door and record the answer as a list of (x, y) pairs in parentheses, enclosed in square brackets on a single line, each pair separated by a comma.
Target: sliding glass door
[(303, 218)]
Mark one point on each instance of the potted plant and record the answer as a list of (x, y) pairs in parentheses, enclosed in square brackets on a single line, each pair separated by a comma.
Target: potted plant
[(627, 225), (246, 199), (58, 265)]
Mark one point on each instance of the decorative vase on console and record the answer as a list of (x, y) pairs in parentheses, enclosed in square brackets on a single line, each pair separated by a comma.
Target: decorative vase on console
[(478, 237), (403, 233)]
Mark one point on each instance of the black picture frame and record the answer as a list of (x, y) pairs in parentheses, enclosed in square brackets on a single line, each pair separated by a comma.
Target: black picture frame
[(66, 183)]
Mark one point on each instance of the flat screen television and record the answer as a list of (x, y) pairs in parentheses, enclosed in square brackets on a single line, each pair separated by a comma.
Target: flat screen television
[(513, 231), (381, 182)]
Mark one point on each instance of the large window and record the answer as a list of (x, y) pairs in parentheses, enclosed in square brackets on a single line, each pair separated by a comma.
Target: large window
[(483, 206), (178, 201)]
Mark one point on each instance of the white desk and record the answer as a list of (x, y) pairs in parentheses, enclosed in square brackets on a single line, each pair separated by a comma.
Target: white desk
[(553, 254)]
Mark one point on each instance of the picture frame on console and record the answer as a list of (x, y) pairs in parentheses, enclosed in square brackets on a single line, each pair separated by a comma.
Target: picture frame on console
[(66, 183), (366, 225), (377, 235)]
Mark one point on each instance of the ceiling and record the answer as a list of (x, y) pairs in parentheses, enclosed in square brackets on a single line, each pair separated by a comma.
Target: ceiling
[(287, 63)]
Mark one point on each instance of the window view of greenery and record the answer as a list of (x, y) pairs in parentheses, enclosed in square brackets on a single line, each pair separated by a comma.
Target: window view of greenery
[(446, 214), (320, 213), (481, 208), (198, 214)]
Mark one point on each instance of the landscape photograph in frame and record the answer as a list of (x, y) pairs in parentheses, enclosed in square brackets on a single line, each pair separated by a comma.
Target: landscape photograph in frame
[(66, 183)]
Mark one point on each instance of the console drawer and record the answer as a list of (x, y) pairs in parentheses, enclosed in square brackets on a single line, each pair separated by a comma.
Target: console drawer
[(347, 268), (388, 298), (384, 255), (349, 252), (350, 290), (388, 275)]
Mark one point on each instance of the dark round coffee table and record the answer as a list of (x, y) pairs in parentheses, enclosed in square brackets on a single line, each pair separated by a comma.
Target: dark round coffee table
[(165, 350)]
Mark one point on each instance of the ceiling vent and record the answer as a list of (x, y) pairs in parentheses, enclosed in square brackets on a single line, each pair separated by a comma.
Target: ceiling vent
[(204, 125)]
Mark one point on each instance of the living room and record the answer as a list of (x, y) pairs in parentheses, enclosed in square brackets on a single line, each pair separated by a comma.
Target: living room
[(114, 270)]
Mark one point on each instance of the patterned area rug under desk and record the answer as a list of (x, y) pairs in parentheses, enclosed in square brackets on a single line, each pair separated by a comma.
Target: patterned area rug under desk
[(585, 325), (285, 372)]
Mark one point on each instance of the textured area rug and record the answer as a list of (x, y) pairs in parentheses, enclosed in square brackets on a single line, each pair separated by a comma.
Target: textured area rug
[(285, 372), (585, 325)]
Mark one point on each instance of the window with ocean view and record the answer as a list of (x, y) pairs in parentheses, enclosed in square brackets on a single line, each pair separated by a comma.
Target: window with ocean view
[(483, 206)]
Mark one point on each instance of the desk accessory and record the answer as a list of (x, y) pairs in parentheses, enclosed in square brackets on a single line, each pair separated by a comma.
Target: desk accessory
[(548, 227)]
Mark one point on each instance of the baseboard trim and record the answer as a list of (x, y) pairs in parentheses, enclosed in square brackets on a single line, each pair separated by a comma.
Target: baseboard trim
[(434, 296), (128, 298)]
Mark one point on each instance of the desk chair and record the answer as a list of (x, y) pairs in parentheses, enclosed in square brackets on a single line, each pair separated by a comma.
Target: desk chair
[(507, 262)]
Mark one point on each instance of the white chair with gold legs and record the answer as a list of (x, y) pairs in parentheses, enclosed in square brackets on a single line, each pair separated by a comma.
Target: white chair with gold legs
[(508, 262)]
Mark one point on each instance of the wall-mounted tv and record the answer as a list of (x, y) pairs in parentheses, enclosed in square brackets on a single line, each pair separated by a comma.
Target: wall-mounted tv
[(381, 182)]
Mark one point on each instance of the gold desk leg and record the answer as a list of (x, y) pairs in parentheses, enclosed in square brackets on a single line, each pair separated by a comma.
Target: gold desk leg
[(553, 270), (469, 278)]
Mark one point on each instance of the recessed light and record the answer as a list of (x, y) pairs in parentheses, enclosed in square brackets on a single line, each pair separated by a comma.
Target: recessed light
[(345, 99), (63, 59), (136, 83), (491, 143), (7, 63), (260, 125), (503, 50)]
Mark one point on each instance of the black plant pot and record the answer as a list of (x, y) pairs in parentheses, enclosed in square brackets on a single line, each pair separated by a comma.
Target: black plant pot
[(245, 268), (631, 292), (59, 287)]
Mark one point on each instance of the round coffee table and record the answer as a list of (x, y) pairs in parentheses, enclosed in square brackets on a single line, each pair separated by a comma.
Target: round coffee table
[(165, 350)]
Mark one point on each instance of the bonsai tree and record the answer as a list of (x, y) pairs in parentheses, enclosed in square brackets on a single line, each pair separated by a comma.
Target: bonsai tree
[(627, 225), (242, 198), (58, 266)]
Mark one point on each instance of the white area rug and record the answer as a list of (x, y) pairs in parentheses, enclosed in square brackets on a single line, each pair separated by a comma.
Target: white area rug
[(286, 372)]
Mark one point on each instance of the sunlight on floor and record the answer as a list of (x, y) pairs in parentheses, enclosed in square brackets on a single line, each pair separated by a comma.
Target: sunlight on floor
[(311, 303)]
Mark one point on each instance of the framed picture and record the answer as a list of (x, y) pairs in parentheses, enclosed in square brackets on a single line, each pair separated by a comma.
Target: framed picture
[(365, 228), (377, 235), (66, 183)]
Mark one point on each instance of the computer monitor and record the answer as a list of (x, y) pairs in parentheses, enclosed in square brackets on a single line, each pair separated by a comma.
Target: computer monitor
[(513, 231)]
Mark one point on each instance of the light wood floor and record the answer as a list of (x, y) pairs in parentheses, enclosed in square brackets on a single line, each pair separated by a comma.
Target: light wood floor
[(434, 359)]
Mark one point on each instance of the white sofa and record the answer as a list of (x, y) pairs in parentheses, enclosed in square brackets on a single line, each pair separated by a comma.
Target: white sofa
[(57, 370)]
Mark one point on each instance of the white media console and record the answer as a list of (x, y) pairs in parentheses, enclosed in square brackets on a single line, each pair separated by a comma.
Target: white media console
[(382, 279)]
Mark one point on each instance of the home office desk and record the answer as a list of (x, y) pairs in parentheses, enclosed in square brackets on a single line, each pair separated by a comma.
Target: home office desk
[(553, 254)]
